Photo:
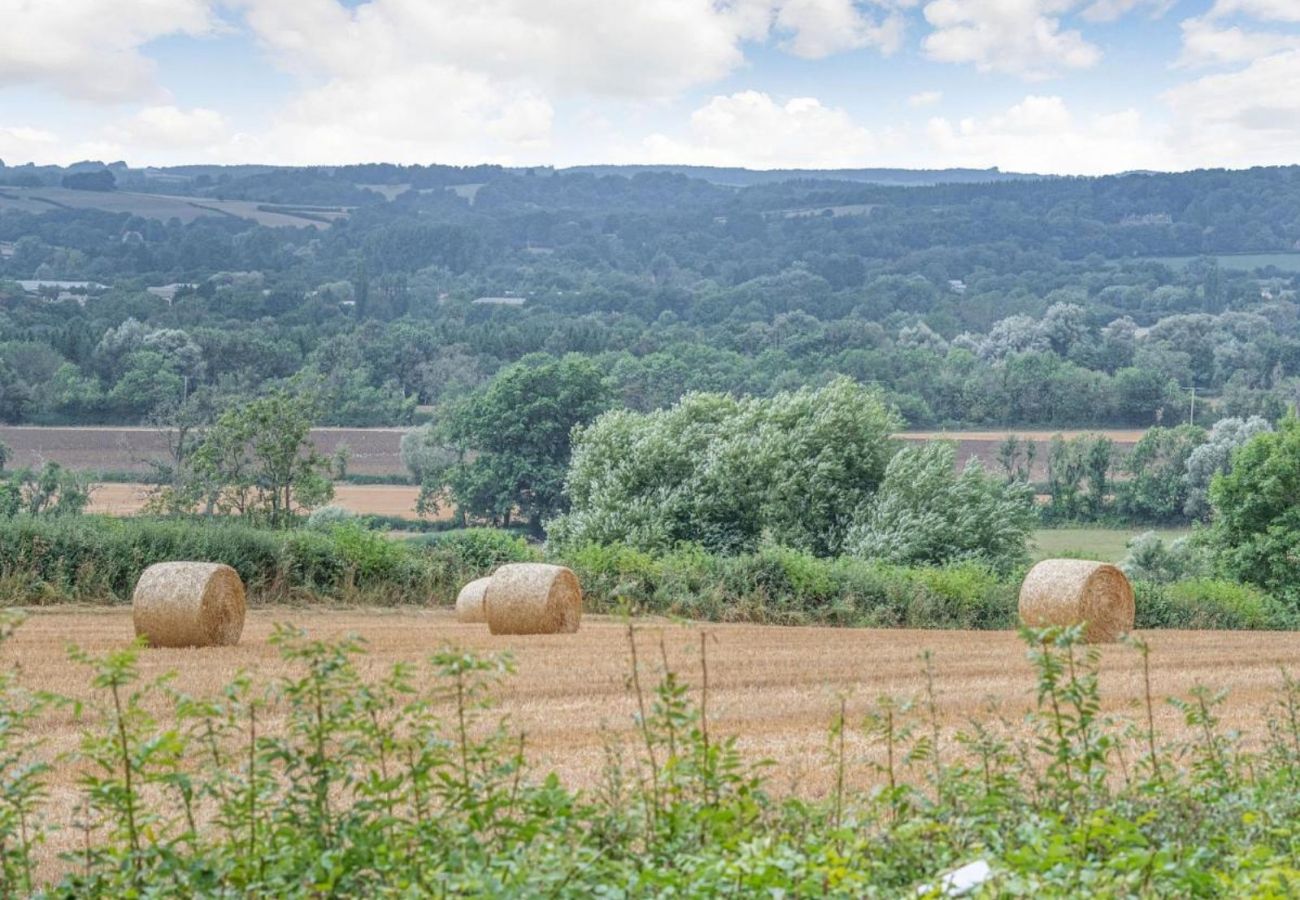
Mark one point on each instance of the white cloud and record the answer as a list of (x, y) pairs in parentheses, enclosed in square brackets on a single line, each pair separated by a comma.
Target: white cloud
[(90, 49), (823, 27), (1269, 10), (417, 80), (752, 129), (171, 127), (1246, 117), (428, 113), (1110, 10), (20, 144), (1018, 37), (1205, 43), (1041, 134), (925, 98)]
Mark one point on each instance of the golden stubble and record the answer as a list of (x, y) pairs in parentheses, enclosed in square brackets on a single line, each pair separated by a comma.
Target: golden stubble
[(776, 689)]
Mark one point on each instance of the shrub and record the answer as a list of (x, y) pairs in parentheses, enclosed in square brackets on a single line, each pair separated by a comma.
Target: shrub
[(328, 516), (1208, 603)]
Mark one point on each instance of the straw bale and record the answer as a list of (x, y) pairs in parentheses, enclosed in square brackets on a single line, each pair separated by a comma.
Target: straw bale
[(533, 598), (189, 604), (469, 602), (1074, 591)]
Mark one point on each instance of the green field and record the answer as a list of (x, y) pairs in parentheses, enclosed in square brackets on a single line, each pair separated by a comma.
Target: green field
[(1106, 544), (1286, 262), (163, 207)]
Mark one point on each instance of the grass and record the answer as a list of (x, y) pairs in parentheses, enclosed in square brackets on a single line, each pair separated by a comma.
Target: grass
[(1105, 544)]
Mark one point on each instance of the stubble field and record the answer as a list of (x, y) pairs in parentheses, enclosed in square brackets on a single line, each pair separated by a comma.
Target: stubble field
[(775, 688)]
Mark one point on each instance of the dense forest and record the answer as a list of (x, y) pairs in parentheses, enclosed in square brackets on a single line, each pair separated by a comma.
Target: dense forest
[(969, 299)]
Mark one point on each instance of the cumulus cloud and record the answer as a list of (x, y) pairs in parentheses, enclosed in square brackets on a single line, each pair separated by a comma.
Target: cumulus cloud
[(1206, 43), (412, 80), (1246, 117), (751, 128), (1268, 10), (1017, 37), (170, 126), (823, 27), (1042, 134), (90, 49), (925, 98)]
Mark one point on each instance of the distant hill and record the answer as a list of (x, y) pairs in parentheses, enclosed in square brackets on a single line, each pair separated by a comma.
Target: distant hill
[(749, 177)]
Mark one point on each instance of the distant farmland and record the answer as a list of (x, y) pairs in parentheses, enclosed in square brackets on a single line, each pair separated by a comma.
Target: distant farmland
[(375, 451), (164, 207), (378, 451), (1248, 262)]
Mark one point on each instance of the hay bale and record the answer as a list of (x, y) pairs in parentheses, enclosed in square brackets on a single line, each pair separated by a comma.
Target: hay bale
[(469, 602), (1074, 591), (533, 598), (189, 604)]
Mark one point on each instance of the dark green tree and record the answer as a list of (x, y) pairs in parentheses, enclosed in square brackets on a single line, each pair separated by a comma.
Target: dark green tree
[(512, 438)]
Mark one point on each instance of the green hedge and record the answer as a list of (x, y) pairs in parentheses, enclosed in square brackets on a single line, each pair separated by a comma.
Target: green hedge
[(788, 587), (98, 559)]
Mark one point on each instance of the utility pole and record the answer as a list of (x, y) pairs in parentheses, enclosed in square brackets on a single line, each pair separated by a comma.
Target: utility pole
[(1191, 418)]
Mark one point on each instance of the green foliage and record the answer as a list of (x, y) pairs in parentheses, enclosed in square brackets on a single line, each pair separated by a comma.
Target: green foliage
[(53, 491), (258, 461), (511, 440), (1149, 558), (791, 587), (89, 559), (1078, 478), (1157, 487), (1205, 603), (1256, 517), (724, 473), (928, 513)]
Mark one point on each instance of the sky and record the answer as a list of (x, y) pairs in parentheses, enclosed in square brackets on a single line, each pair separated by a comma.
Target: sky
[(1049, 86)]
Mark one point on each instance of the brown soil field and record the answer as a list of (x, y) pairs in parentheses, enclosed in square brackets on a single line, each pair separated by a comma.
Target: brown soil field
[(375, 451), (983, 445), (126, 499)]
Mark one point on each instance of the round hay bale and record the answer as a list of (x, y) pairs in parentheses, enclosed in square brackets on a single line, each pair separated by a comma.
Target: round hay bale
[(189, 604), (1074, 591), (533, 598), (469, 602)]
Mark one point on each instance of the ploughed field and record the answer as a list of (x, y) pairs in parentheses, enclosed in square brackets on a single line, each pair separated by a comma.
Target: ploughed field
[(127, 499), (774, 688), (377, 451), (374, 451)]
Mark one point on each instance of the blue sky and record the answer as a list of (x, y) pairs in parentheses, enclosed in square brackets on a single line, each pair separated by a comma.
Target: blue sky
[(1063, 86)]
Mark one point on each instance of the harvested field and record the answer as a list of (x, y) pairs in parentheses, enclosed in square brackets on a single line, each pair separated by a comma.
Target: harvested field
[(775, 688), (127, 499), (375, 451)]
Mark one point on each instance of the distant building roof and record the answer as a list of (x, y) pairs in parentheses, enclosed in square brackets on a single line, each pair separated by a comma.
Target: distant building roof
[(501, 301), (34, 285)]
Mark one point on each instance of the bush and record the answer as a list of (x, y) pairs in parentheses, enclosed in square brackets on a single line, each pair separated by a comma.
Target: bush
[(99, 560), (328, 516), (783, 586), (1208, 603)]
